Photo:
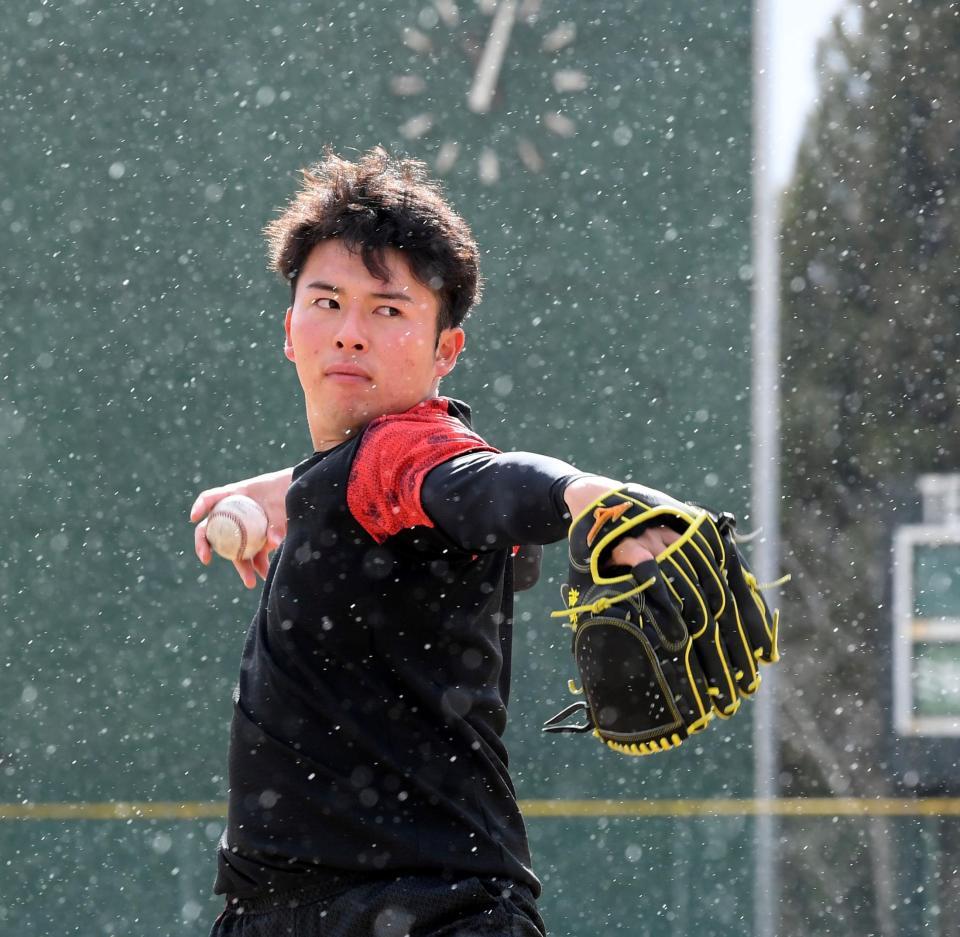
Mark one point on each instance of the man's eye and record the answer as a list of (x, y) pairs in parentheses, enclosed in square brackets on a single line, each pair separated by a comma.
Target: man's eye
[(326, 299), (389, 311)]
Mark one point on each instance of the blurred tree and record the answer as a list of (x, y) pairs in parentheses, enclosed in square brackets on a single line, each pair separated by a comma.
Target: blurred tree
[(870, 349)]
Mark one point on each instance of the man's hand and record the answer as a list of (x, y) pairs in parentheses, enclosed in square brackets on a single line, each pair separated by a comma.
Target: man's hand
[(630, 550), (269, 491)]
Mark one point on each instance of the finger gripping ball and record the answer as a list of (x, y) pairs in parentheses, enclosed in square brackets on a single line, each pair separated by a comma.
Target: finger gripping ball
[(237, 527)]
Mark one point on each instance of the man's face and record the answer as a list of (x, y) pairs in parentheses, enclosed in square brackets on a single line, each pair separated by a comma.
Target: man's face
[(363, 347)]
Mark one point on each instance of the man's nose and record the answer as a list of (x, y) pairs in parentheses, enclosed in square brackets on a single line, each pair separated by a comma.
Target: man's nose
[(350, 334)]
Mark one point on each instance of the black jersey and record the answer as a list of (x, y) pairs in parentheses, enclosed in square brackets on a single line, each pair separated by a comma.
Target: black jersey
[(366, 734)]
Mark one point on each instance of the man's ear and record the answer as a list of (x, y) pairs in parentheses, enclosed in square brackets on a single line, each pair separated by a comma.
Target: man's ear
[(449, 346), (288, 341)]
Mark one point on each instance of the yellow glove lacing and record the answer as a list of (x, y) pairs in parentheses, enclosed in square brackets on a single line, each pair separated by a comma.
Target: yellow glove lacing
[(606, 601), (603, 603)]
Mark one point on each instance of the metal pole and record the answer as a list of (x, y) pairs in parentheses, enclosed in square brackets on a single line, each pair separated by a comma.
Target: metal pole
[(765, 406)]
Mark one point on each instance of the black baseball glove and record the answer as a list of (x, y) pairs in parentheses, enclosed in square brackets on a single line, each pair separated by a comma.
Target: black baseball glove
[(664, 647)]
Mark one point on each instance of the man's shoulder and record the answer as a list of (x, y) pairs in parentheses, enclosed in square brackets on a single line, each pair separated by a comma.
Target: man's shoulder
[(396, 453), (430, 432), (431, 422)]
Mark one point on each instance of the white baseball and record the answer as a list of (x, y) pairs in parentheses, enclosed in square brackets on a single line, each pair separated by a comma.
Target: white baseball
[(237, 527)]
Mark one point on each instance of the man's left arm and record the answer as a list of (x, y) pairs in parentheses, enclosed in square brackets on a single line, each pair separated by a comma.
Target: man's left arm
[(495, 500)]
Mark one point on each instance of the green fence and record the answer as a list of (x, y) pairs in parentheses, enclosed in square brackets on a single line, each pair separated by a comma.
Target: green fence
[(144, 148)]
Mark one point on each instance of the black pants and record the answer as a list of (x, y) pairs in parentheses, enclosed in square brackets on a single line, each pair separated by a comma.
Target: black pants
[(413, 906)]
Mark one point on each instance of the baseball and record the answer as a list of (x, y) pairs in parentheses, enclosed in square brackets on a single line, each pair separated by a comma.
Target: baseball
[(237, 527)]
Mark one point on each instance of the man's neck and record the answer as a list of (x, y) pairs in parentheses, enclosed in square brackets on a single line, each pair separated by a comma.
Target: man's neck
[(325, 437)]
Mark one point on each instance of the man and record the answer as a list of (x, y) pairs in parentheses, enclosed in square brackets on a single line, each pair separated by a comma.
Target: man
[(369, 791)]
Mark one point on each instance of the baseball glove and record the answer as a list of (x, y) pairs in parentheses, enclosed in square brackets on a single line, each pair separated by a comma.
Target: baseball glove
[(665, 647)]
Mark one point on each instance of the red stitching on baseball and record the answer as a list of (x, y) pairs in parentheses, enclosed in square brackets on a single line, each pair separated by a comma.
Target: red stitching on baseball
[(241, 527)]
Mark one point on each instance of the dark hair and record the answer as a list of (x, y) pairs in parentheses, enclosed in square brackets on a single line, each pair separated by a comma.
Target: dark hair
[(376, 203)]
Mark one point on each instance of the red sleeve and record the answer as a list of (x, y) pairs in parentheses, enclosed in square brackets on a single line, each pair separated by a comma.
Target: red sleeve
[(396, 453)]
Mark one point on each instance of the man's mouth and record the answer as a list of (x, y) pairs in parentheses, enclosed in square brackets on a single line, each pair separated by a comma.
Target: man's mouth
[(346, 370)]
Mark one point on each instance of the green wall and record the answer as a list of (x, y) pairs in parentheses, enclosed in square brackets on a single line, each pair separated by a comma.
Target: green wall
[(141, 360)]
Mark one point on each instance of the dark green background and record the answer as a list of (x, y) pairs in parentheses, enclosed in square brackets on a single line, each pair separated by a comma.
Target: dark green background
[(144, 147)]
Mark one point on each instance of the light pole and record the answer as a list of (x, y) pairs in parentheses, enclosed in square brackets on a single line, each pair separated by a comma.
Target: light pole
[(765, 450)]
